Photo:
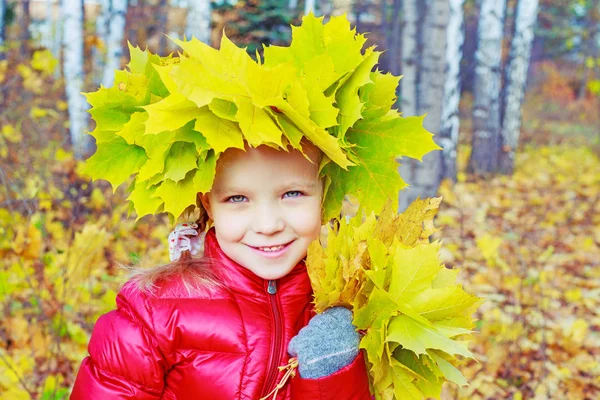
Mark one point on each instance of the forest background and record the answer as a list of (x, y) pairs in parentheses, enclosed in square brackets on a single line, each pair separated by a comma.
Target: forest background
[(511, 89)]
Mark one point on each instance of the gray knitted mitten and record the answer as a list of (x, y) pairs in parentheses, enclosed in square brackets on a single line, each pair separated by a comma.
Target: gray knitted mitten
[(327, 344)]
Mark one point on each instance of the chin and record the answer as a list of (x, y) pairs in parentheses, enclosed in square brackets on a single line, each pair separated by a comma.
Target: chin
[(271, 275)]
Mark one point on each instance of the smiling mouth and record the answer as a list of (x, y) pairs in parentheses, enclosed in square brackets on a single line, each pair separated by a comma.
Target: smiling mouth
[(272, 249)]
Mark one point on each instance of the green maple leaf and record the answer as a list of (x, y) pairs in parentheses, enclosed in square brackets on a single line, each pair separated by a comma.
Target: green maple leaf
[(180, 160), (142, 200), (115, 161), (205, 175), (416, 269), (415, 336), (223, 109), (375, 179), (256, 124), (327, 143), (380, 95), (404, 387), (170, 113), (133, 130), (187, 134), (445, 302), (347, 98), (450, 371), (177, 196), (109, 119), (220, 133), (156, 147)]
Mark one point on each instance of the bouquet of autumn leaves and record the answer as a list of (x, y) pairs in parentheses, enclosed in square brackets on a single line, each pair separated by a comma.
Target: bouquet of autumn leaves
[(416, 318)]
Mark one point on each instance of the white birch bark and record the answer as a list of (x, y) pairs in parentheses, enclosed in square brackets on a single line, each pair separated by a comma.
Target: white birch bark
[(47, 27), (309, 5), (99, 52), (198, 20), (73, 72), (114, 46), (410, 58), (2, 13), (516, 79), (293, 4), (424, 176), (486, 140), (57, 28), (448, 138)]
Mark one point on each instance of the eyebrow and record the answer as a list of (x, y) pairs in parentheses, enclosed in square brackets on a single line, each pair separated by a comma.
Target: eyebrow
[(303, 185)]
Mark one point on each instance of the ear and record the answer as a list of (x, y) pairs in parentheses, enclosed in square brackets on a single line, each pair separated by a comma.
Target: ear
[(205, 200)]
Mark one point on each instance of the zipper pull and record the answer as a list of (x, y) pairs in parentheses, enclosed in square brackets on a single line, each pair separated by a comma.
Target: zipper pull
[(272, 288)]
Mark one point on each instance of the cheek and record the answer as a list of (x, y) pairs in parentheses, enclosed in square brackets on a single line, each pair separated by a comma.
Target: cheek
[(307, 221), (230, 226)]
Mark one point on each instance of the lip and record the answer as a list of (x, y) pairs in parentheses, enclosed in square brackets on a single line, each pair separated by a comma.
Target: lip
[(271, 254)]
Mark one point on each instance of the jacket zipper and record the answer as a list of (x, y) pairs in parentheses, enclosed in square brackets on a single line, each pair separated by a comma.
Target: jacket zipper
[(276, 348)]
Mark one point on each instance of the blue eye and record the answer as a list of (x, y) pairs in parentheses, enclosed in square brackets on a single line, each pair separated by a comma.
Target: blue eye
[(293, 193), (236, 199)]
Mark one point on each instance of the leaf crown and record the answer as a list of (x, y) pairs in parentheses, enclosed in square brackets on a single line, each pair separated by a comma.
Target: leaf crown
[(166, 120)]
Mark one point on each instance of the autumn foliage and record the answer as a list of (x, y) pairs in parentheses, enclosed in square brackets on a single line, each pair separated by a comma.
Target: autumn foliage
[(528, 244)]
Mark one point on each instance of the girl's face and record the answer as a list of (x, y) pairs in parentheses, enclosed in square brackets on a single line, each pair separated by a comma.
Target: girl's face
[(266, 208)]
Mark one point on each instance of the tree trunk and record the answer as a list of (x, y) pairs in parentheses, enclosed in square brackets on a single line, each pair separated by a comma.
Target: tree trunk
[(516, 80), (99, 51), (309, 5), (395, 42), (293, 4), (410, 58), (198, 20), (73, 72), (57, 28), (114, 46), (424, 177), (25, 23), (486, 139), (163, 19), (591, 45), (450, 124), (2, 28)]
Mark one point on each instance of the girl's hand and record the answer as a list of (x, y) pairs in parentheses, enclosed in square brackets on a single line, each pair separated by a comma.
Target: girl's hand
[(327, 344), (185, 237)]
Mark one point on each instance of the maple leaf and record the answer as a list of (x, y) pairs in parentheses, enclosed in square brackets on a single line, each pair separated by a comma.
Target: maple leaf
[(408, 303), (115, 161)]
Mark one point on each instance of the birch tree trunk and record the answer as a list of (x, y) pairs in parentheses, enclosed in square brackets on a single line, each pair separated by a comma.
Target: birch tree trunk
[(99, 51), (57, 28), (293, 4), (114, 46), (73, 72), (198, 20), (48, 26), (410, 58), (486, 140), (424, 177), (163, 19), (450, 124), (516, 79), (309, 5), (2, 28)]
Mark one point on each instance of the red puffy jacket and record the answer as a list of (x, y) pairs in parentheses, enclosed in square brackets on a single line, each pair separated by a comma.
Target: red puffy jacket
[(222, 345)]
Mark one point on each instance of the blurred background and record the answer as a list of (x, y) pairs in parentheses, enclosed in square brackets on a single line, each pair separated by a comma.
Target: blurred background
[(511, 89)]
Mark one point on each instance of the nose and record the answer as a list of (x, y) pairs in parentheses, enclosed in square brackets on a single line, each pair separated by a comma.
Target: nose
[(268, 219)]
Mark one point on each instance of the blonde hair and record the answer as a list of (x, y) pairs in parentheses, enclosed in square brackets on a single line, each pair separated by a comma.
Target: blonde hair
[(196, 274)]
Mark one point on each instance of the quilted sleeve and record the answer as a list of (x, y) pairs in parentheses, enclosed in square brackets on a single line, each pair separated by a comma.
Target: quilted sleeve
[(349, 383), (125, 361)]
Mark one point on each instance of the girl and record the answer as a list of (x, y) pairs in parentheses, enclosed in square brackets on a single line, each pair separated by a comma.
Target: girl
[(224, 326)]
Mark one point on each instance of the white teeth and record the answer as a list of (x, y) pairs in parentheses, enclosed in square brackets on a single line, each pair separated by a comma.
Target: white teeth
[(269, 249)]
